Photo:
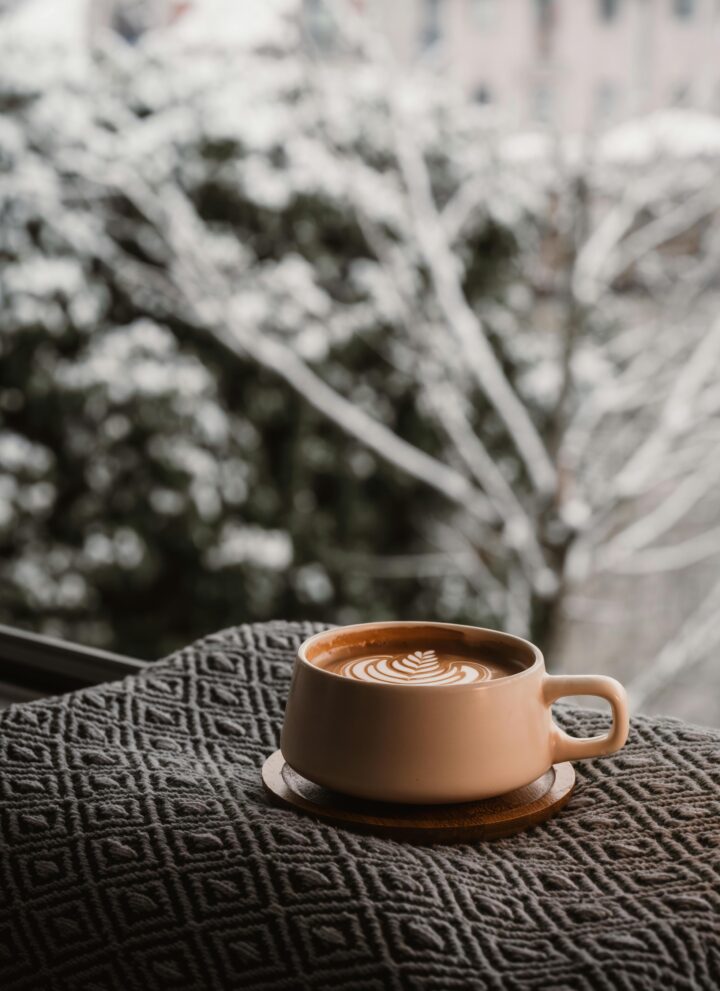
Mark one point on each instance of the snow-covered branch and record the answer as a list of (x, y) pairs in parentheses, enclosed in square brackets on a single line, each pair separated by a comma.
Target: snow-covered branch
[(182, 225), (462, 322), (677, 412), (658, 521), (285, 363), (672, 557), (694, 642)]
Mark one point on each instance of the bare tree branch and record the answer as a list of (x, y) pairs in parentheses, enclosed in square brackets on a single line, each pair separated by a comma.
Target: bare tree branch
[(459, 316), (520, 530), (669, 225), (698, 636), (660, 520), (673, 557), (285, 363), (676, 414)]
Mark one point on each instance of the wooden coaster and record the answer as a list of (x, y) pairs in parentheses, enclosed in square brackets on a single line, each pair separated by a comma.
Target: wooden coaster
[(486, 820)]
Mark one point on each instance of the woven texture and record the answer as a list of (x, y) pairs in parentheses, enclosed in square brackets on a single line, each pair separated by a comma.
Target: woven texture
[(138, 853)]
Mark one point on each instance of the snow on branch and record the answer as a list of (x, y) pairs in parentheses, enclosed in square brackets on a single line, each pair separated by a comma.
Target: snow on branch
[(672, 557), (677, 412), (181, 224), (694, 642), (461, 320)]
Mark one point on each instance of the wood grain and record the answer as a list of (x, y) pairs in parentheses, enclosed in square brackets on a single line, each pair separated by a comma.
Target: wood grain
[(489, 819)]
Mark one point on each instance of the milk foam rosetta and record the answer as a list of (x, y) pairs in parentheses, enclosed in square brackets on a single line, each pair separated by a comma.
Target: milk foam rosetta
[(421, 667)]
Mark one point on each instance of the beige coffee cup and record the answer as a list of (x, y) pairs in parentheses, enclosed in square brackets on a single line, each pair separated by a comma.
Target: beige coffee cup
[(435, 743)]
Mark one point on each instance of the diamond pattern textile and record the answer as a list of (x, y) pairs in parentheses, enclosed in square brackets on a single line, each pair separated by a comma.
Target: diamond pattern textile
[(138, 852)]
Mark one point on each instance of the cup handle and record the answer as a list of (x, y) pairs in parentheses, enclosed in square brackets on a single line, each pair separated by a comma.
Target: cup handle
[(566, 747)]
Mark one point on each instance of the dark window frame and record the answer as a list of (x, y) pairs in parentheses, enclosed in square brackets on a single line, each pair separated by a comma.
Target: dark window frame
[(431, 28), (608, 10), (684, 10), (45, 665)]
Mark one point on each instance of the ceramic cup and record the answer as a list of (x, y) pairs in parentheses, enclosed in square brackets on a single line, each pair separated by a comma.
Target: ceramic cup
[(434, 743)]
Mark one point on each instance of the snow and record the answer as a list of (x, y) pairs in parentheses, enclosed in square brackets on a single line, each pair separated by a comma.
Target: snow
[(20, 456), (57, 23), (313, 583), (675, 133), (271, 549), (122, 547), (235, 24), (140, 359), (46, 581), (541, 382), (526, 147), (40, 276)]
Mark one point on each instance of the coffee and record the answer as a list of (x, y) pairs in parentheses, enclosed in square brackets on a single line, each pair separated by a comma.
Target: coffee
[(417, 666), (431, 713)]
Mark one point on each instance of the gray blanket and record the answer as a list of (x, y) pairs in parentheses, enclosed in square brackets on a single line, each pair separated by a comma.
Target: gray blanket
[(138, 852)]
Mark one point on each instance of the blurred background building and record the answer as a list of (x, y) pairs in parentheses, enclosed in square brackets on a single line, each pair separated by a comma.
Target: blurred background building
[(576, 65)]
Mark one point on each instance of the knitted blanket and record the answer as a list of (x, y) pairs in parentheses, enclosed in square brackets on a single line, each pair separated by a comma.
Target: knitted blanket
[(138, 852)]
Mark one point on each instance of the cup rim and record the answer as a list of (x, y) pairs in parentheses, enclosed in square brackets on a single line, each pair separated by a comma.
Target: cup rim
[(511, 638)]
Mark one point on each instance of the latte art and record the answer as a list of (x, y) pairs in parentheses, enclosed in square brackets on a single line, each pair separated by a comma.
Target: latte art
[(422, 667)]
